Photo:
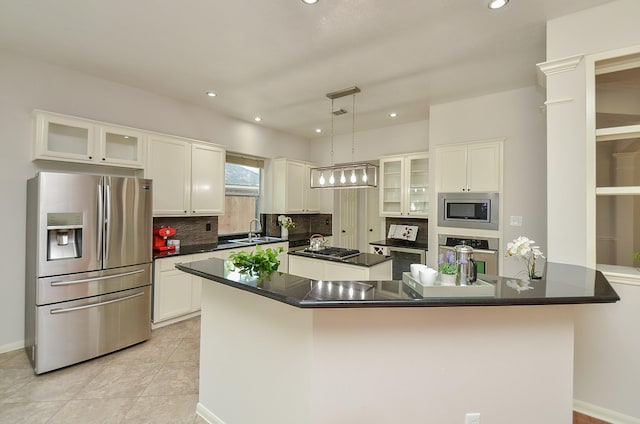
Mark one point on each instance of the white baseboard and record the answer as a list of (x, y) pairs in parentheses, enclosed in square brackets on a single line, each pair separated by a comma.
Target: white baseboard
[(207, 415), (155, 325), (603, 414), (12, 346)]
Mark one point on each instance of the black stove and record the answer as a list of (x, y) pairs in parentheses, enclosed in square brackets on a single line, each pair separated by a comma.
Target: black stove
[(335, 252), (475, 243)]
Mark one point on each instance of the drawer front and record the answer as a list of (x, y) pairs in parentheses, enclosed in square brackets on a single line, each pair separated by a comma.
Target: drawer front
[(68, 287), (71, 332)]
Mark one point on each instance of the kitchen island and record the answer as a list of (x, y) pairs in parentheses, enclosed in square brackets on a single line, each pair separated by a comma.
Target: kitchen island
[(287, 349), (358, 266)]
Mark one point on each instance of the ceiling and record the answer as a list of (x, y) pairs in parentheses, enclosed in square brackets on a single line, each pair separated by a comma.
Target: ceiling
[(278, 58)]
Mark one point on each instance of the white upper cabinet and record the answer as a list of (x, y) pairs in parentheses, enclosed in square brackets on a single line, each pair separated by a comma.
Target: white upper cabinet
[(472, 167), (292, 191), (70, 139), (120, 146), (170, 168), (404, 185), (207, 179), (188, 177)]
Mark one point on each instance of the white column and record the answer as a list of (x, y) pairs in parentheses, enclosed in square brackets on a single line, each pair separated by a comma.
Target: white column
[(570, 164)]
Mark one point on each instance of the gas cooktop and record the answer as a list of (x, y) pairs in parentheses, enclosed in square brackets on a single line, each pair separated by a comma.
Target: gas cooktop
[(335, 252)]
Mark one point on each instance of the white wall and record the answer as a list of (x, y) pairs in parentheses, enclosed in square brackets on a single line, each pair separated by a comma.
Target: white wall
[(26, 84), (371, 144), (515, 116), (607, 341)]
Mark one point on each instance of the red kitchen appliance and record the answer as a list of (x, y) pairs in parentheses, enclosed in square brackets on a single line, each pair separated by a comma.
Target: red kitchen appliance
[(160, 236)]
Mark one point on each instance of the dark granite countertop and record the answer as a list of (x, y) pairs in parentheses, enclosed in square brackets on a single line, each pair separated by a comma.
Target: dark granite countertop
[(211, 247), (363, 259), (401, 243), (305, 236), (563, 284)]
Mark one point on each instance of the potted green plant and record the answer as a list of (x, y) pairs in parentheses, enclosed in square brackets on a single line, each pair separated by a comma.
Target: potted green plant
[(448, 268), (636, 258), (261, 262)]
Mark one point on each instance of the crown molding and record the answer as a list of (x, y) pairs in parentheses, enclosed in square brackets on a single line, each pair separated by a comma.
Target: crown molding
[(557, 66)]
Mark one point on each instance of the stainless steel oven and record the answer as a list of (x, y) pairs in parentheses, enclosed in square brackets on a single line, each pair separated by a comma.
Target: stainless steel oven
[(485, 250), (468, 210)]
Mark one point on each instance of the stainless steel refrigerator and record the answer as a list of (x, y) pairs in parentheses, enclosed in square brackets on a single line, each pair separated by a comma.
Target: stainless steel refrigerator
[(88, 267)]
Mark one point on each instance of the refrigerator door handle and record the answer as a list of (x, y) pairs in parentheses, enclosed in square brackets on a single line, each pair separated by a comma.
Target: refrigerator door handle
[(94, 305), (107, 226), (87, 280), (100, 224)]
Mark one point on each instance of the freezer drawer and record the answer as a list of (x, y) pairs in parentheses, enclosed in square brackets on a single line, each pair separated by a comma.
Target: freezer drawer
[(77, 286), (71, 332)]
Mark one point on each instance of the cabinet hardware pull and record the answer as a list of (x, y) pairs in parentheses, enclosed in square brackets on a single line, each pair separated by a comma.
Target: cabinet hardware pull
[(94, 305), (87, 280)]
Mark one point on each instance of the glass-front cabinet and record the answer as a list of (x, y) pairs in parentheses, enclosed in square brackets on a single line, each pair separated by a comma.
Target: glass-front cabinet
[(71, 139), (418, 179), (404, 185), (120, 146), (617, 89)]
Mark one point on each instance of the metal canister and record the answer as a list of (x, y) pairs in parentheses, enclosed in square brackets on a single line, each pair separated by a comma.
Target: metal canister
[(468, 269)]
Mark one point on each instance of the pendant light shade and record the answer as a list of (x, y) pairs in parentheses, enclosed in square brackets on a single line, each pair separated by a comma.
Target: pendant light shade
[(346, 175), (351, 175)]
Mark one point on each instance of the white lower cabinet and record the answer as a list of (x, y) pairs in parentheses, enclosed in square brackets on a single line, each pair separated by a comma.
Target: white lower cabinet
[(176, 293), (320, 269)]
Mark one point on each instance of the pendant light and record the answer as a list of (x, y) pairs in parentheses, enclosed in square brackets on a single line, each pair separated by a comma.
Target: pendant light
[(351, 175)]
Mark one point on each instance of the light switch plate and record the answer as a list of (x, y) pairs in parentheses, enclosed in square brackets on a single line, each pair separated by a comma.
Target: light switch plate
[(515, 221), (472, 418)]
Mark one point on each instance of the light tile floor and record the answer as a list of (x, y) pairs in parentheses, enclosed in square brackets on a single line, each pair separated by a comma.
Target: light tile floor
[(153, 382)]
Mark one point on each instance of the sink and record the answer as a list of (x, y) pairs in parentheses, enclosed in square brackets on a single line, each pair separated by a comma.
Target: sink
[(233, 242), (256, 240)]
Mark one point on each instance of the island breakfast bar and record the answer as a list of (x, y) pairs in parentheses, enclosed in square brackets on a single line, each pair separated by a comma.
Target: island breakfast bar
[(286, 349)]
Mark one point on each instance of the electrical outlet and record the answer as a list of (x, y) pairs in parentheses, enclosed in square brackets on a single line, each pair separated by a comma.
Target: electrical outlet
[(472, 418)]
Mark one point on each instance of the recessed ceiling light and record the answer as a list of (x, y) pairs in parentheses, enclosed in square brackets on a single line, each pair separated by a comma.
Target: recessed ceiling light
[(309, 1), (393, 114), (257, 119), (211, 94), (318, 130), (497, 4)]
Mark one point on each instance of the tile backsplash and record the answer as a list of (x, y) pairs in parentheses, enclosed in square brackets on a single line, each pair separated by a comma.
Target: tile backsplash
[(306, 224), (191, 230)]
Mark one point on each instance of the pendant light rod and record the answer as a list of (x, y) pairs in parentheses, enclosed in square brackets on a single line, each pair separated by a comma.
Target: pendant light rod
[(344, 92)]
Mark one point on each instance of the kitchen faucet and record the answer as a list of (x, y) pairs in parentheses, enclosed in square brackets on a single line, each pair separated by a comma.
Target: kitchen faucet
[(251, 234)]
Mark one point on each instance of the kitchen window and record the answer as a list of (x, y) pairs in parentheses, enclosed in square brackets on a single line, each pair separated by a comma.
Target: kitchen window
[(618, 160), (243, 186)]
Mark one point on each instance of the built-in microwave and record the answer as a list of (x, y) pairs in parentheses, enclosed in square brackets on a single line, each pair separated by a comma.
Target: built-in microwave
[(468, 210)]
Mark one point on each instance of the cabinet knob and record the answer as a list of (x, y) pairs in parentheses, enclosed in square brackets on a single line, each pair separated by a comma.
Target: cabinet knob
[(343, 231), (104, 158), (185, 211), (90, 157), (370, 229)]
